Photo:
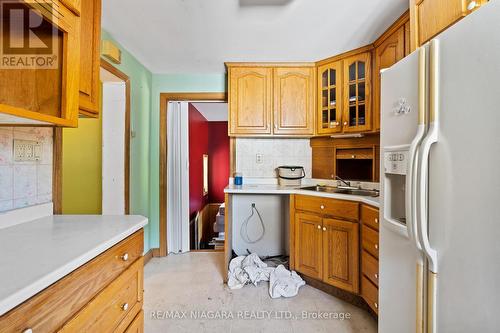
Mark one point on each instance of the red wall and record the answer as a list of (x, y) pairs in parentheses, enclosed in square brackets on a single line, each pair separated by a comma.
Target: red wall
[(218, 160), (207, 138), (198, 145)]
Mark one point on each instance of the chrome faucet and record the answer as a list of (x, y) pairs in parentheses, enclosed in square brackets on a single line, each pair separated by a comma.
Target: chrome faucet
[(348, 184)]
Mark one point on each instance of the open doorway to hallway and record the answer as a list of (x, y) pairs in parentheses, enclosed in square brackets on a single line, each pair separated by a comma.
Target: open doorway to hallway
[(209, 160), (195, 170)]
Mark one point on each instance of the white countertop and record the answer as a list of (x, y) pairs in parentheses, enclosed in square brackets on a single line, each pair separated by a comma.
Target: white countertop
[(36, 254), (276, 189)]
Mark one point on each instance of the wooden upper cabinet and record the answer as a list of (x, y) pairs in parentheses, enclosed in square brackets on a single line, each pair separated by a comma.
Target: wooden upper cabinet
[(329, 116), (250, 100), (430, 17), (341, 254), (308, 245), (90, 57), (294, 100), (49, 94), (357, 95), (390, 48)]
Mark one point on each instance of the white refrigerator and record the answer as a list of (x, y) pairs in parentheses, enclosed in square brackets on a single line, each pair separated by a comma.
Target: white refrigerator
[(440, 183)]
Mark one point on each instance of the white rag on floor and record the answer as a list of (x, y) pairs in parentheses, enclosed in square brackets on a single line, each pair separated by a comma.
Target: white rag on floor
[(251, 269)]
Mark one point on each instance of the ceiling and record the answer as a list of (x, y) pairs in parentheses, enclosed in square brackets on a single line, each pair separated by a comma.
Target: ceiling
[(212, 111), (198, 36)]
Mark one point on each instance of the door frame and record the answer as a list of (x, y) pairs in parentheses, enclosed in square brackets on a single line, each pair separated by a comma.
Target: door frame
[(58, 144), (165, 98)]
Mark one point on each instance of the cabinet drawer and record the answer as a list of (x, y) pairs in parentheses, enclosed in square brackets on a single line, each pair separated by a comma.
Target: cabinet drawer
[(370, 293), (115, 307), (324, 206), (370, 240), (370, 216), (137, 325), (369, 267), (51, 308)]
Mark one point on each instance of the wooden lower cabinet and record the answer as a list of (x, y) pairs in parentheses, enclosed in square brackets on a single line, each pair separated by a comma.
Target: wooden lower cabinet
[(104, 295), (341, 254), (326, 247), (137, 325), (369, 256), (308, 245)]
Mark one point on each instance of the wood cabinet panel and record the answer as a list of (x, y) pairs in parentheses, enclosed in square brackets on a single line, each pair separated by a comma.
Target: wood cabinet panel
[(369, 267), (430, 17), (137, 325), (74, 5), (357, 93), (338, 208), (90, 57), (115, 307), (389, 52), (308, 245), (370, 293), (48, 95), (250, 100), (370, 216), (294, 100), (51, 308), (341, 254), (323, 162), (370, 240)]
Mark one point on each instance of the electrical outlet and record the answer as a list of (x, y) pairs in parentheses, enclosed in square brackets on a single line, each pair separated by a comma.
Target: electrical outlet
[(259, 158), (26, 150)]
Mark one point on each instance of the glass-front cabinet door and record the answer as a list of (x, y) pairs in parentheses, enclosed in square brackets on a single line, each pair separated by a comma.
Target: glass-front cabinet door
[(357, 100), (330, 98)]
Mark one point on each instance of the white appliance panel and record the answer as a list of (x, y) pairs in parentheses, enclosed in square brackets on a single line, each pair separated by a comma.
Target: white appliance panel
[(464, 187)]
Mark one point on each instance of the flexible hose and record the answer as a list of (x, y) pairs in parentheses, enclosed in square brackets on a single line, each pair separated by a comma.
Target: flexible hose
[(244, 227)]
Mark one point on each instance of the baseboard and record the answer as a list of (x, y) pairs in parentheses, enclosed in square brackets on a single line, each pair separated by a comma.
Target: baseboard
[(156, 252), (147, 256)]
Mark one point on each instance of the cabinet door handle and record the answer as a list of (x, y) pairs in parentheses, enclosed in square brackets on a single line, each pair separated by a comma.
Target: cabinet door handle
[(324, 228), (345, 123), (353, 156), (124, 307), (319, 227), (124, 257), (322, 207), (28, 330), (376, 246), (472, 5), (376, 276), (376, 305), (376, 221)]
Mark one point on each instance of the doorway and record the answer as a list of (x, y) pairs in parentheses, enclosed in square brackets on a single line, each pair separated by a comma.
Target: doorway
[(166, 219), (85, 184)]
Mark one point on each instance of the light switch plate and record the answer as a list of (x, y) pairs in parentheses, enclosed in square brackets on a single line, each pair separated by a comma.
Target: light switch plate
[(27, 150), (259, 158)]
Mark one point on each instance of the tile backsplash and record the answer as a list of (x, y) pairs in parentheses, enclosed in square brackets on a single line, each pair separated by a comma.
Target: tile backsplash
[(25, 183), (274, 152)]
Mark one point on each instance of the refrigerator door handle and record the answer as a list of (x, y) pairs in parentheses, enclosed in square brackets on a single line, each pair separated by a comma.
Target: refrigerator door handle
[(429, 140), (412, 167)]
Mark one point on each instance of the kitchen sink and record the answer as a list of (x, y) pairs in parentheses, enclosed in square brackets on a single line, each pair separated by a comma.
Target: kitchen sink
[(340, 190)]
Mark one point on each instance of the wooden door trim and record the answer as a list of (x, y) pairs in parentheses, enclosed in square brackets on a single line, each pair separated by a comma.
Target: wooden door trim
[(58, 144), (113, 70), (164, 99)]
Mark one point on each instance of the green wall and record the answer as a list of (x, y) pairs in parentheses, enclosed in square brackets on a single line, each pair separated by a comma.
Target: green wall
[(82, 164), (163, 83), (141, 83)]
